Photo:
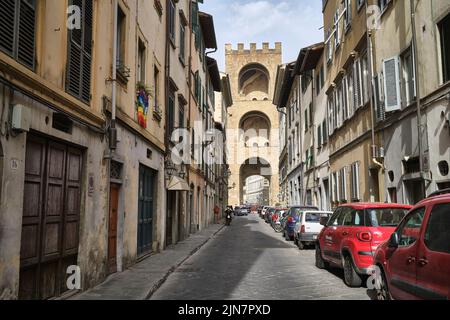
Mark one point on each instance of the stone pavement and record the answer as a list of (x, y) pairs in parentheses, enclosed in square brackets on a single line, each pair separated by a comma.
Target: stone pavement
[(141, 280), (249, 261)]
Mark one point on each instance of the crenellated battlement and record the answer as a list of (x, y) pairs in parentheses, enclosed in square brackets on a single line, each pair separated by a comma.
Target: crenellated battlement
[(253, 48)]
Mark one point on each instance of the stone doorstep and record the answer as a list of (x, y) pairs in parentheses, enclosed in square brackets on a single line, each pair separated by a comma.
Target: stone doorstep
[(137, 284)]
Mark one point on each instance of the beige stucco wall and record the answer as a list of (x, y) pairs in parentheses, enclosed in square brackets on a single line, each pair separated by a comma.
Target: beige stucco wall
[(47, 82)]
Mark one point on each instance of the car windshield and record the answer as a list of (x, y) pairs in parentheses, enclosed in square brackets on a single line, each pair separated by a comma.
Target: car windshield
[(312, 217), (386, 217)]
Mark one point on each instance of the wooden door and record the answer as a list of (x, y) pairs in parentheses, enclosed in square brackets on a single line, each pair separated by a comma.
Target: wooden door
[(171, 198), (112, 229), (51, 213), (147, 193)]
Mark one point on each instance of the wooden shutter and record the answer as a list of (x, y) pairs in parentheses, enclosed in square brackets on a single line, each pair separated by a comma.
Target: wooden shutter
[(355, 182), (357, 193), (392, 84), (319, 136), (26, 32), (357, 90), (17, 30), (343, 180), (7, 18), (379, 103), (78, 82)]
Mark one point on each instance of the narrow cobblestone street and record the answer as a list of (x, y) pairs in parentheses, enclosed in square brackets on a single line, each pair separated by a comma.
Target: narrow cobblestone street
[(250, 261)]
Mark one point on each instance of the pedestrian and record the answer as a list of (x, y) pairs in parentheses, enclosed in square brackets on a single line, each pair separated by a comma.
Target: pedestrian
[(216, 213)]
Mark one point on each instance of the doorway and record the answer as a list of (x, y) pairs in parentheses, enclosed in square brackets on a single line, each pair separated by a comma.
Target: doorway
[(374, 186), (181, 217), (51, 214), (171, 206), (191, 209), (146, 207), (112, 229), (415, 191)]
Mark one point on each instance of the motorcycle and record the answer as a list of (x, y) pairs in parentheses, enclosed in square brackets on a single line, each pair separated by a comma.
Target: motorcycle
[(228, 219)]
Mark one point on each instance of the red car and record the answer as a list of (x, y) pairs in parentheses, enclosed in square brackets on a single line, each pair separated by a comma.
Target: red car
[(353, 233), (415, 262)]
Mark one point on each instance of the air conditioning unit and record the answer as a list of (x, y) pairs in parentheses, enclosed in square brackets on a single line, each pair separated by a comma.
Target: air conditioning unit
[(20, 118)]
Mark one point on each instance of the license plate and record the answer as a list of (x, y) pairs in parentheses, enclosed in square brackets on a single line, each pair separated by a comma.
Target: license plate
[(315, 237)]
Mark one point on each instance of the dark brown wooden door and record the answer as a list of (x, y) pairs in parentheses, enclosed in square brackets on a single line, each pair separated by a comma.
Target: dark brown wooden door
[(169, 217), (51, 214), (112, 231)]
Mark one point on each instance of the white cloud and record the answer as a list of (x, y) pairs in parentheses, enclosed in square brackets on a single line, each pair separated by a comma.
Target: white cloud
[(295, 23)]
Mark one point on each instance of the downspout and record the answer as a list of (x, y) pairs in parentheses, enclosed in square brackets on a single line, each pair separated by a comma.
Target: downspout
[(188, 171), (167, 77), (313, 101), (301, 137), (372, 95), (417, 87), (113, 129)]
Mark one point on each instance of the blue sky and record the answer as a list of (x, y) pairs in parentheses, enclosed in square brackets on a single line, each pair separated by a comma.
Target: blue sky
[(295, 23)]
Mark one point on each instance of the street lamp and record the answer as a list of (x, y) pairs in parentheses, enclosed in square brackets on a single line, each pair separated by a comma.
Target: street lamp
[(170, 168), (182, 173), (233, 186)]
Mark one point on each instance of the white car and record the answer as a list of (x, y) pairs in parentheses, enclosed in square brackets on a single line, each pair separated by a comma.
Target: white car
[(308, 227), (263, 211)]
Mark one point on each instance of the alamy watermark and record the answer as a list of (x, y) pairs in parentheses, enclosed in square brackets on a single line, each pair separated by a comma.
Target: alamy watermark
[(73, 18), (74, 279)]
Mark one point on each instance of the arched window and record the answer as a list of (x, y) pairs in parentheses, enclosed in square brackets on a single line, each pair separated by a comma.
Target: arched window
[(256, 129), (254, 81)]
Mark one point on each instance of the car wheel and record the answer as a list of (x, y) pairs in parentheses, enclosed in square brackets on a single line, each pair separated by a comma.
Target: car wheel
[(301, 245), (320, 263), (383, 290), (351, 277)]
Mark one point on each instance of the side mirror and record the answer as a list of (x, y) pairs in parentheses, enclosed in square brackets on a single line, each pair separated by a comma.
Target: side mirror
[(394, 241), (324, 221)]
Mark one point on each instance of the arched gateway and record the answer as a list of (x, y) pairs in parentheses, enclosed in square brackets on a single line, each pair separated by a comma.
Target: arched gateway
[(253, 120)]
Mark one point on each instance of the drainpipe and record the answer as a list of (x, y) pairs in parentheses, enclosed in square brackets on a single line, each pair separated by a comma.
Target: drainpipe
[(113, 129), (301, 136), (313, 102), (372, 95), (188, 171), (167, 81), (417, 86)]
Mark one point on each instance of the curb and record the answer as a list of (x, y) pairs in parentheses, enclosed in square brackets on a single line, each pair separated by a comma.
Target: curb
[(175, 267)]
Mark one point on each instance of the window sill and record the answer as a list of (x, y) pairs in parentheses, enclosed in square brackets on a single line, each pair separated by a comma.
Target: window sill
[(172, 42), (348, 28), (122, 78), (183, 63), (158, 7)]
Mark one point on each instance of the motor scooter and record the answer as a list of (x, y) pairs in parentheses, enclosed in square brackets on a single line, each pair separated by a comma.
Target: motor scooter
[(228, 219)]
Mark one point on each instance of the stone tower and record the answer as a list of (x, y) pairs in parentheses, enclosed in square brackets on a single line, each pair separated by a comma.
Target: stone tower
[(252, 130)]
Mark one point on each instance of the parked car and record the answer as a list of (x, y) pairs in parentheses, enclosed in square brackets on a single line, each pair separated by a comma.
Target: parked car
[(277, 218), (308, 227), (263, 211), (415, 262), (268, 216), (240, 211), (353, 233), (291, 220)]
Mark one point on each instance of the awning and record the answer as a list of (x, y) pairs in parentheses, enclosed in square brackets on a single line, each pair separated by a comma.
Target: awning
[(177, 184)]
